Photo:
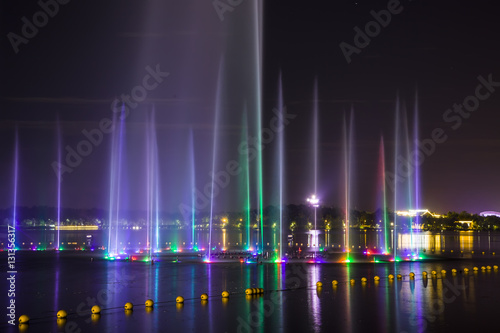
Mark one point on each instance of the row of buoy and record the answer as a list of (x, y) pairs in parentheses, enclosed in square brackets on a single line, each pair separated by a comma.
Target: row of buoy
[(462, 252), (319, 284), (254, 291), (96, 309)]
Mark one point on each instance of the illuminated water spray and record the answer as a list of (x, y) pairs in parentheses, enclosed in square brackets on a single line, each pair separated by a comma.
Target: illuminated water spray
[(394, 183), (152, 190), (214, 153), (16, 170), (348, 170), (314, 200), (383, 202), (193, 188), (257, 26), (281, 167), (115, 176), (416, 183), (59, 180), (245, 180)]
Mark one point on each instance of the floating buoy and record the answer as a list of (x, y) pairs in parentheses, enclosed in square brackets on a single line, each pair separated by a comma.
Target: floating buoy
[(466, 270), (434, 273), (261, 290), (248, 291), (149, 303), (483, 268), (376, 278), (412, 275), (495, 267), (472, 252), (424, 273), (319, 284), (179, 299), (391, 277), (225, 294), (475, 269), (129, 306), (454, 271), (488, 268), (204, 297), (399, 277), (353, 281), (62, 314), (96, 309), (363, 279), (493, 253), (24, 319), (443, 272), (482, 253), (335, 282)]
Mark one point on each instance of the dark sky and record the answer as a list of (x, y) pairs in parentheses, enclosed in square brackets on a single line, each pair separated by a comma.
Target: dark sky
[(89, 53)]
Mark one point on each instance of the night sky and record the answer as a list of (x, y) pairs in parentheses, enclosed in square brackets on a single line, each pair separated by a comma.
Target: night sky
[(69, 73)]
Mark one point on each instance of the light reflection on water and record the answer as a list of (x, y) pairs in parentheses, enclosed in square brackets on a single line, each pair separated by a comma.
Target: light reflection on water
[(443, 303)]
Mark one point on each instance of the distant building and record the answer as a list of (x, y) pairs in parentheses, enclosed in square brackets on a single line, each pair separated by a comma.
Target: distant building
[(490, 213)]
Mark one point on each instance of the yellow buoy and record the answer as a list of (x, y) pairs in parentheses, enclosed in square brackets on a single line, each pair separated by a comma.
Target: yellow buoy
[(335, 282), (149, 303), (225, 294), (248, 291), (466, 270), (96, 309), (424, 273), (261, 290), (475, 269), (495, 267), (376, 278), (179, 299), (483, 268), (488, 268), (412, 275), (399, 276), (482, 253), (353, 281), (434, 273), (391, 277), (443, 271), (24, 319), (493, 253), (363, 279), (129, 306), (472, 252), (454, 271), (204, 297), (319, 284), (62, 314)]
